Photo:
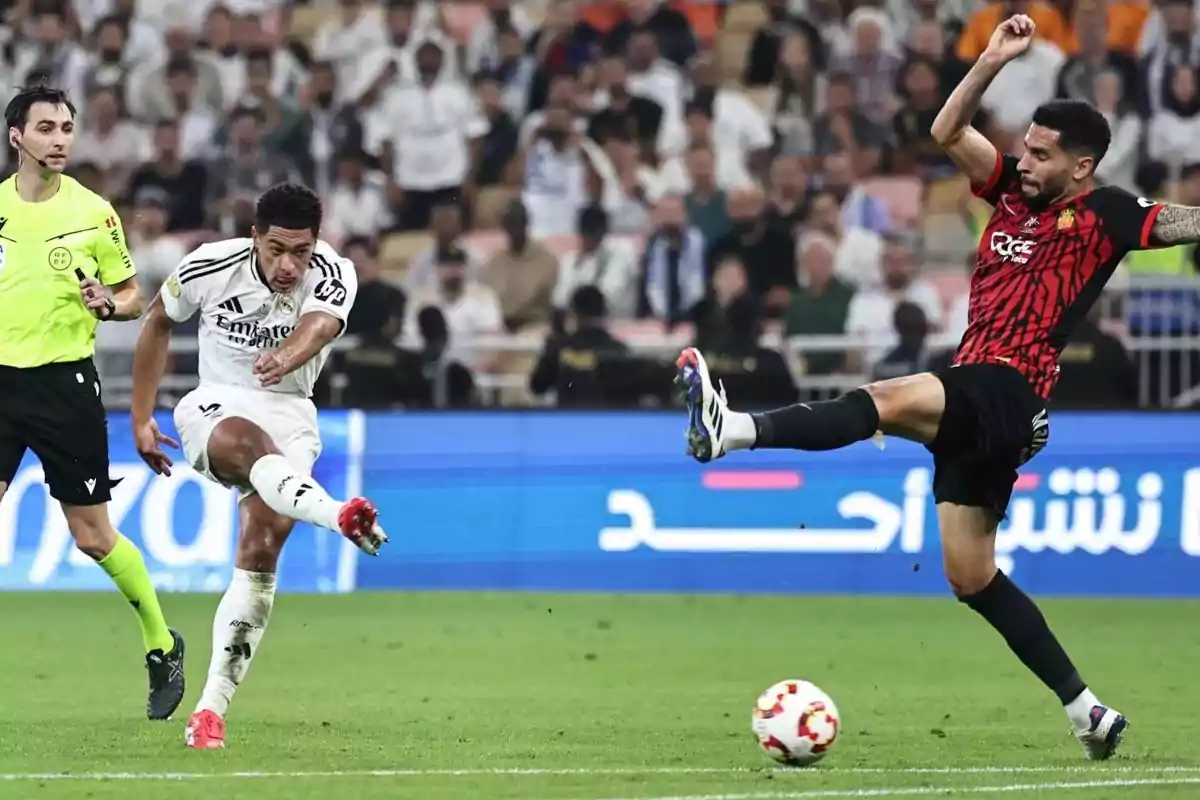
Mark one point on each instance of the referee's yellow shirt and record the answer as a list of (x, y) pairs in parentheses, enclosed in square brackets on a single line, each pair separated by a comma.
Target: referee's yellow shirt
[(42, 316)]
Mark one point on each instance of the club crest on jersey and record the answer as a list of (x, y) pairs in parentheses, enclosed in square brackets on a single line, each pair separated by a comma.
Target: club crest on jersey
[(286, 304), (1066, 219), (60, 258)]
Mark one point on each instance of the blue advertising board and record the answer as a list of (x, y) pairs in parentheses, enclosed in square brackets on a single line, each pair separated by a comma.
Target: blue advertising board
[(609, 502)]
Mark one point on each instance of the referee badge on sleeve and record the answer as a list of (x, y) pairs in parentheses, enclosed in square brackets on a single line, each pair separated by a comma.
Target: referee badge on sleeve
[(173, 286)]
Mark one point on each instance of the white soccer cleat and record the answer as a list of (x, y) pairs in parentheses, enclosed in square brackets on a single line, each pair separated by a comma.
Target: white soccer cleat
[(707, 407), (1103, 736)]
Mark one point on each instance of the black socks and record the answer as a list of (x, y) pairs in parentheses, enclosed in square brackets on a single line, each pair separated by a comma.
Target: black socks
[(1018, 620), (826, 425)]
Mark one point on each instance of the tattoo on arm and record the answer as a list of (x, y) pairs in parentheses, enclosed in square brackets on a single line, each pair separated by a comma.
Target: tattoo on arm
[(1176, 225)]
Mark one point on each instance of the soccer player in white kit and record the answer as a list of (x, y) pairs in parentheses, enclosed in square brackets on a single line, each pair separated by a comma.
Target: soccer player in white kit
[(270, 308)]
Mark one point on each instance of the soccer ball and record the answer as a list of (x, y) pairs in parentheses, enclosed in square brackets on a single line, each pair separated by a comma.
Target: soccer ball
[(795, 723)]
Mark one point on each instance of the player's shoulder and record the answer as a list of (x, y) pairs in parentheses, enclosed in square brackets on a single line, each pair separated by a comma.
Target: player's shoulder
[(214, 260), (328, 263), (1115, 199)]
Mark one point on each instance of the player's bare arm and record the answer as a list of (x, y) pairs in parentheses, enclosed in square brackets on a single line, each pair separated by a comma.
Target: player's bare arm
[(1176, 225), (952, 129), (119, 302), (149, 364), (316, 330)]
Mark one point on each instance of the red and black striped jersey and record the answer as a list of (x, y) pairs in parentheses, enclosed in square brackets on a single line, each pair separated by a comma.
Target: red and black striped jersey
[(1038, 271)]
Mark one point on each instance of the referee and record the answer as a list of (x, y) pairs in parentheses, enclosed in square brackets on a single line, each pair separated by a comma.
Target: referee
[(64, 267)]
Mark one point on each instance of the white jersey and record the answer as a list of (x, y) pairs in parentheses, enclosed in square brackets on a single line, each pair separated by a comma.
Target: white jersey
[(241, 316)]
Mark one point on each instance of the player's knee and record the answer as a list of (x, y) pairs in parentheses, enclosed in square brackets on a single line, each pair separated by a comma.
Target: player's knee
[(968, 580)]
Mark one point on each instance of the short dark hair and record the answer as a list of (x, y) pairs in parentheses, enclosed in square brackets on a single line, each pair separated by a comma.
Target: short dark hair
[(260, 54), (1080, 125), (589, 302), (16, 114), (289, 206), (365, 242), (593, 219)]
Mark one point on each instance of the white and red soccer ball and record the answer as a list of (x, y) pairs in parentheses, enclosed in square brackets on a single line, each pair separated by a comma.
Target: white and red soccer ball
[(795, 723)]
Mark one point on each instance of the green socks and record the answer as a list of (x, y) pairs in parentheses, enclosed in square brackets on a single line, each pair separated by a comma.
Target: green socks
[(128, 571)]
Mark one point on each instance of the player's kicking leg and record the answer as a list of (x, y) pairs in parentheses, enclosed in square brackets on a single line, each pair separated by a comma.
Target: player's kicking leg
[(241, 618), (913, 408)]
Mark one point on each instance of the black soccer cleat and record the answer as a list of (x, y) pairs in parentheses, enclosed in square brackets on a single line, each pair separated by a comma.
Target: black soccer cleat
[(166, 680)]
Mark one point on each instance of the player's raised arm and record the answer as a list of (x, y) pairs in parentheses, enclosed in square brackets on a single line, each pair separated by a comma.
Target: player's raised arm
[(970, 149)]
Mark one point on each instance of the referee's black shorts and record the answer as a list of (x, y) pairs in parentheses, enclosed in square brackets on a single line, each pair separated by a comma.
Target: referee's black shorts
[(55, 410), (993, 423)]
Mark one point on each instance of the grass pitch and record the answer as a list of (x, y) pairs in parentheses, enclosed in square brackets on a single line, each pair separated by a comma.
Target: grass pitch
[(588, 697)]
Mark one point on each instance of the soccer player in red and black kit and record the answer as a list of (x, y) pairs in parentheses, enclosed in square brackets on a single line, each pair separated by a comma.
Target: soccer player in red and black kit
[(1053, 240)]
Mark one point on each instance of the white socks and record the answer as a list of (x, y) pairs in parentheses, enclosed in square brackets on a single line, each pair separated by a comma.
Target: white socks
[(1079, 710), (291, 494), (237, 629), (739, 432)]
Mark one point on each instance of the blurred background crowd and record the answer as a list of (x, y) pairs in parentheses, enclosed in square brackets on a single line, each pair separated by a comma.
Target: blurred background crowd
[(547, 199)]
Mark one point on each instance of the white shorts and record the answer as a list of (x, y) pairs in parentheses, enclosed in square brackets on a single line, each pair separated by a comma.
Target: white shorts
[(290, 421)]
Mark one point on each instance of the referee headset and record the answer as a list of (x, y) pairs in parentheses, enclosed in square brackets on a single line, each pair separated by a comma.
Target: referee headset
[(12, 119)]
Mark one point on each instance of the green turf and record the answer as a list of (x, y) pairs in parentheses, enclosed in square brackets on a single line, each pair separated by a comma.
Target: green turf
[(604, 693)]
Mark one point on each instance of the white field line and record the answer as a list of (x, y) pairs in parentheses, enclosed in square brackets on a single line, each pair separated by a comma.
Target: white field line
[(925, 791), (591, 771)]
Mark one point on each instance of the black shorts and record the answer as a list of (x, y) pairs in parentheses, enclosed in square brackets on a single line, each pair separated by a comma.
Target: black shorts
[(993, 423), (55, 411)]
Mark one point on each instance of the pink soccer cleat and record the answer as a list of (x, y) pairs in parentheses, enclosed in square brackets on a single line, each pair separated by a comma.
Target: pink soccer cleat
[(205, 731), (359, 522)]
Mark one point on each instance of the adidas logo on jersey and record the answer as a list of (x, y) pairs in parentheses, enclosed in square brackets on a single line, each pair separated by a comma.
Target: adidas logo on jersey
[(232, 304)]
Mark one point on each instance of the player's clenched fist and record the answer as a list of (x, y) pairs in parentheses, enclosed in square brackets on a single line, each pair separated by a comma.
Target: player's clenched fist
[(1011, 38)]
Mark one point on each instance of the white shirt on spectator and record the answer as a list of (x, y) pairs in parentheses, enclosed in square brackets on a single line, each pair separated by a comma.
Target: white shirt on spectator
[(857, 256), (871, 310), (612, 268), (663, 84), (1120, 163), (196, 130), (1174, 139), (430, 129), (422, 270), (71, 65), (1023, 85), (357, 212), (737, 124), (344, 45), (475, 313), (127, 144), (730, 168), (554, 188)]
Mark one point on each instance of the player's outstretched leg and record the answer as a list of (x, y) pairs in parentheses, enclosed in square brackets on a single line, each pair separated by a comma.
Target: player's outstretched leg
[(242, 454), (909, 407), (241, 618), (969, 553), (120, 558)]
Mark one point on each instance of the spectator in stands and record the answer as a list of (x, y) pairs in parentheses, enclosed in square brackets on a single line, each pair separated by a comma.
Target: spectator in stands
[(148, 91), (343, 39), (562, 95), (1095, 370), (860, 209), (433, 125), (484, 46), (198, 123), (142, 38), (603, 261), (787, 201), (1174, 42), (185, 182), (1024, 84), (705, 201), (1049, 23), (674, 276), (155, 252), (245, 170), (449, 380), (377, 298), (378, 373), (408, 35), (758, 376), (498, 147), (621, 114), (654, 77), (470, 307), (51, 53), (731, 173), (670, 28), (798, 96), (107, 67), (284, 131), (821, 304), (766, 50), (637, 188), (928, 41), (556, 176), (729, 282), (112, 141), (356, 204), (1120, 164), (911, 353), (582, 364), (857, 251), (1077, 77), (871, 66), (735, 121), (870, 318), (767, 252), (447, 225), (522, 274), (334, 127), (564, 44), (285, 74), (909, 15), (1173, 140), (914, 150), (843, 128), (512, 70)]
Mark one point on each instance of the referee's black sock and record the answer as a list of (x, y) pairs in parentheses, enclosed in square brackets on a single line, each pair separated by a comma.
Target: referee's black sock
[(827, 425), (1011, 612)]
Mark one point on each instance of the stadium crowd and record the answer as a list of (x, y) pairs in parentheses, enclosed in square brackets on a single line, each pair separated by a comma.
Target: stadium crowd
[(545, 200)]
